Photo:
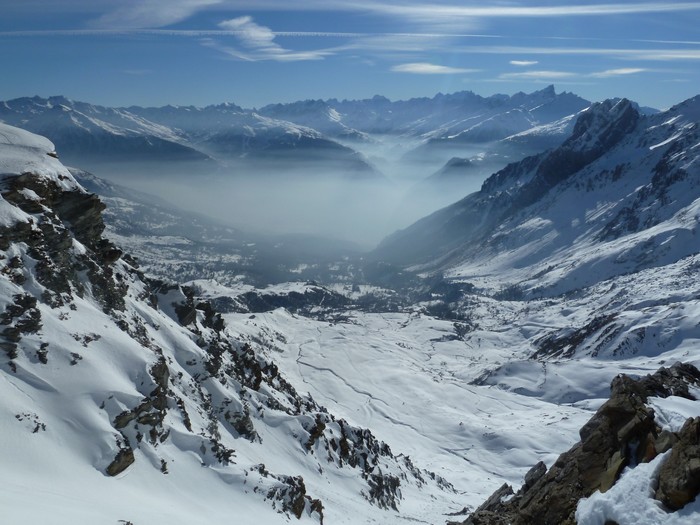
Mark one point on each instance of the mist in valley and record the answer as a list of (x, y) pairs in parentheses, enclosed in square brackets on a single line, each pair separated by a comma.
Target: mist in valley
[(305, 194)]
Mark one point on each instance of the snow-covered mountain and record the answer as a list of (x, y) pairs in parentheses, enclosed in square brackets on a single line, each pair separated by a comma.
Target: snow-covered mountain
[(320, 115), (458, 118), (88, 135), (620, 179), (129, 399), (85, 132)]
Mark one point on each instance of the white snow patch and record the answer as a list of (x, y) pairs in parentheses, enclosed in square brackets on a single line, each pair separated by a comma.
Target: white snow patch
[(673, 411), (630, 501)]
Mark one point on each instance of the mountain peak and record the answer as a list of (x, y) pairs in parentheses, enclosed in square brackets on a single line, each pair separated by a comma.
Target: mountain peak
[(549, 91), (609, 119)]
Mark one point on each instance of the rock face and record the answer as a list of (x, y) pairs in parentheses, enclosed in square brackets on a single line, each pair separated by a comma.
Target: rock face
[(60, 217), (622, 433), (679, 479)]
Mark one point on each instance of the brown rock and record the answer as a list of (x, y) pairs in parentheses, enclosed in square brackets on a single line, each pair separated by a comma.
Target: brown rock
[(679, 477), (122, 461)]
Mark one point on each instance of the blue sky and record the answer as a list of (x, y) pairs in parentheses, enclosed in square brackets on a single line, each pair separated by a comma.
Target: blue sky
[(255, 52)]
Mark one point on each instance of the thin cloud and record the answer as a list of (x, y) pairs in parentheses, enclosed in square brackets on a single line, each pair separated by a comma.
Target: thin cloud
[(556, 75), (258, 43), (618, 72), (416, 43), (505, 11), (157, 13), (151, 13), (424, 68), (622, 53), (537, 75), (160, 13)]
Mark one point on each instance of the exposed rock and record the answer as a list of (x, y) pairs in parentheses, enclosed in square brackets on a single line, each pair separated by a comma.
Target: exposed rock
[(296, 302), (384, 490), (60, 217), (242, 423), (290, 492), (315, 432), (621, 433), (122, 461), (679, 478)]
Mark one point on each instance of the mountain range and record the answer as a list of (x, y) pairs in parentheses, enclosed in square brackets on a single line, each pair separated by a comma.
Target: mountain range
[(471, 352), (306, 131)]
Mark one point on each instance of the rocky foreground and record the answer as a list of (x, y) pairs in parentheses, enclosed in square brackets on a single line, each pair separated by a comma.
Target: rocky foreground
[(623, 433)]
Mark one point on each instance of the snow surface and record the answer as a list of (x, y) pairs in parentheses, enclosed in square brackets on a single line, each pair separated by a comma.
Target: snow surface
[(672, 412), (630, 501), (23, 152)]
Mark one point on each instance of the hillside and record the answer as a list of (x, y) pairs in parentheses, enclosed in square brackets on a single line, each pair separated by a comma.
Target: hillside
[(118, 388)]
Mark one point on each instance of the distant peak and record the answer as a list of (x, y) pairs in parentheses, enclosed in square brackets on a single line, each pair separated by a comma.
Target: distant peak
[(380, 98), (59, 100), (548, 91)]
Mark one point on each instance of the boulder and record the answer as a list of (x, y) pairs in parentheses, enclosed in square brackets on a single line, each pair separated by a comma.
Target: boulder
[(679, 478)]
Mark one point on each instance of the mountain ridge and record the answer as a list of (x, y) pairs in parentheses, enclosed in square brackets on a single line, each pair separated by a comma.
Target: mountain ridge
[(609, 130)]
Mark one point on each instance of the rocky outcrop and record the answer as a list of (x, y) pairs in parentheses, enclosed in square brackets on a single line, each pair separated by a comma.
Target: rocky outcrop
[(621, 433), (123, 460), (679, 478), (313, 296), (59, 218)]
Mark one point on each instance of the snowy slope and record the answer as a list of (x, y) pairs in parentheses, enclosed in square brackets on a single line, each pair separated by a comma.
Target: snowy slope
[(316, 114), (128, 399)]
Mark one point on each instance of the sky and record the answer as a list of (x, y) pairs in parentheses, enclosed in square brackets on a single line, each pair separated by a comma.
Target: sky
[(257, 52)]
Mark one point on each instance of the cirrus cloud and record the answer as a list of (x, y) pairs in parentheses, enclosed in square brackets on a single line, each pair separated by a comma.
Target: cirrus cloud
[(523, 63), (425, 68), (538, 75), (259, 43), (618, 72)]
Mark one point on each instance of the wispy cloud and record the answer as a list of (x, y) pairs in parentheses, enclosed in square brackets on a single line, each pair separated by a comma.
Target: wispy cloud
[(513, 11), (424, 68), (557, 75), (523, 63), (160, 13), (538, 75), (620, 53), (618, 72), (258, 43), (134, 14)]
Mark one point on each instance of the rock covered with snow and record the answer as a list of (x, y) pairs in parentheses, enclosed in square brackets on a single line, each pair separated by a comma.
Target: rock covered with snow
[(621, 435)]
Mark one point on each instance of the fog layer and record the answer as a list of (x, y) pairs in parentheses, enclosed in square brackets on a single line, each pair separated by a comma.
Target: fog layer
[(315, 197)]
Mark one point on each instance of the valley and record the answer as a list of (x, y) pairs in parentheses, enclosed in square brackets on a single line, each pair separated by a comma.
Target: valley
[(168, 358)]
